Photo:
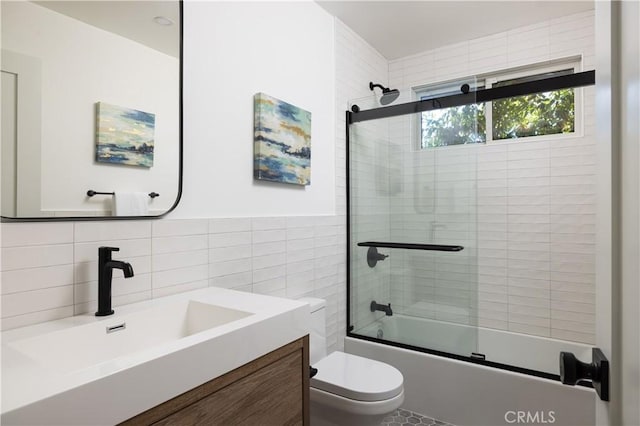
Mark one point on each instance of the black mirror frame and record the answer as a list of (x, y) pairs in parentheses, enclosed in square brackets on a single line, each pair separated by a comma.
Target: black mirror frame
[(4, 219)]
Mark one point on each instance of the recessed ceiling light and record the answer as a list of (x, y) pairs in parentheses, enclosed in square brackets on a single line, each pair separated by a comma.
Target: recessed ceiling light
[(161, 20)]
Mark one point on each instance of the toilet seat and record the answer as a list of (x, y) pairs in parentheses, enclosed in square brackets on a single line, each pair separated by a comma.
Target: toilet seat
[(357, 378)]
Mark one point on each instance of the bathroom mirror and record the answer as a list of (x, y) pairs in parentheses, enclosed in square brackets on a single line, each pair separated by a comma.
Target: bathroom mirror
[(91, 101)]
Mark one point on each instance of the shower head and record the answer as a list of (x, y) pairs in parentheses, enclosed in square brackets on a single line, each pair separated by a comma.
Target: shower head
[(388, 95)]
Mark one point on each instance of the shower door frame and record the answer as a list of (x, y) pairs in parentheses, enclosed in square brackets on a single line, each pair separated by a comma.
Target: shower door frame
[(576, 80)]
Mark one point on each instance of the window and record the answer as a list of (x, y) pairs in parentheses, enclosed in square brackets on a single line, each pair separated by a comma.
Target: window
[(452, 126), (535, 115)]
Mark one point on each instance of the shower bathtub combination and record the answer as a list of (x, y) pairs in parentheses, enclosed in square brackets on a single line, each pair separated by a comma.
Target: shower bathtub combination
[(419, 292)]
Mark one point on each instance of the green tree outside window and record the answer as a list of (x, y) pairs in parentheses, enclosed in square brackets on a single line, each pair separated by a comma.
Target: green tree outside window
[(454, 126), (536, 114)]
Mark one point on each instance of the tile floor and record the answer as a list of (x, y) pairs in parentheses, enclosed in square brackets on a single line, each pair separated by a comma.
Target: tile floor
[(408, 418)]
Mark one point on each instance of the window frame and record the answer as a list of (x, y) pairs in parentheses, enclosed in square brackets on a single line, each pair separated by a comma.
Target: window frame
[(489, 79)]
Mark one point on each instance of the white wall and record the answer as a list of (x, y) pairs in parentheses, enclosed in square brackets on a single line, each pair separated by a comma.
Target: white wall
[(302, 254), (535, 199), (232, 51), (82, 65), (49, 269)]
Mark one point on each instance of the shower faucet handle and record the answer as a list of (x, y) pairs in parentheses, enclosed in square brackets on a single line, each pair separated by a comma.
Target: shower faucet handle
[(373, 257)]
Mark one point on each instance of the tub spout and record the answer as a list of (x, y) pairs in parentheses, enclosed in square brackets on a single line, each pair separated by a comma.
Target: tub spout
[(382, 308)]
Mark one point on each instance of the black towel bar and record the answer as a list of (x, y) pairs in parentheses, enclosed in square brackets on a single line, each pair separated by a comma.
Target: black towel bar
[(91, 193), (409, 246)]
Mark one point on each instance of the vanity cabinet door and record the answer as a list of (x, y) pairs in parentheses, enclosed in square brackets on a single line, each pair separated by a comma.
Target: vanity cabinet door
[(270, 396), (272, 390)]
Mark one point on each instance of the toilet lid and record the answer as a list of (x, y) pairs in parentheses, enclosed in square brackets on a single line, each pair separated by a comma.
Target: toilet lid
[(358, 378)]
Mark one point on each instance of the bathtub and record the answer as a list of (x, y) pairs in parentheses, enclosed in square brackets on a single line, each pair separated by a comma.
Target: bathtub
[(465, 393), (531, 352)]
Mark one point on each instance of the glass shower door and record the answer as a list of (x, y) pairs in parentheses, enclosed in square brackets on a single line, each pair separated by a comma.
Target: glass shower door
[(412, 229)]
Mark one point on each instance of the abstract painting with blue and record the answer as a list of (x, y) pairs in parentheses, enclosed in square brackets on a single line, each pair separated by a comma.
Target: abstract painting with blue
[(282, 141), (124, 136)]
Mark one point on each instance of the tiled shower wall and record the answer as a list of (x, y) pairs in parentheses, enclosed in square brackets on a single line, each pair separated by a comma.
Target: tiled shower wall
[(357, 63), (437, 205), (370, 217), (535, 200)]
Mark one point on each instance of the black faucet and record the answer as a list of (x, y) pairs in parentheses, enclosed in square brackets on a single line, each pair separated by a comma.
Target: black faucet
[(106, 265), (383, 308)]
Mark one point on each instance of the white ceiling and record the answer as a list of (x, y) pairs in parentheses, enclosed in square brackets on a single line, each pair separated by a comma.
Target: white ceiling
[(394, 28), (401, 28), (130, 19)]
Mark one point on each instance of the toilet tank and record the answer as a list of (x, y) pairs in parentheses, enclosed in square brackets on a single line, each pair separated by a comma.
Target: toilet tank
[(318, 331)]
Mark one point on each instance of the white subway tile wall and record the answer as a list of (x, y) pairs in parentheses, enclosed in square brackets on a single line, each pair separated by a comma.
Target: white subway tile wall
[(535, 200), (357, 63), (49, 270)]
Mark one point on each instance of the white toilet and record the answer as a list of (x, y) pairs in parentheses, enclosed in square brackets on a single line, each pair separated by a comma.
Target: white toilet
[(348, 390)]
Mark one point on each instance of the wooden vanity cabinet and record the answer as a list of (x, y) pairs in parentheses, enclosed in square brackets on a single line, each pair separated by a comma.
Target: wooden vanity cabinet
[(271, 390)]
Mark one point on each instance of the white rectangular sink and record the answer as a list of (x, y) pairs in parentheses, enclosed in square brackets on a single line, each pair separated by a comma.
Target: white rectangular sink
[(79, 347), (79, 369)]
